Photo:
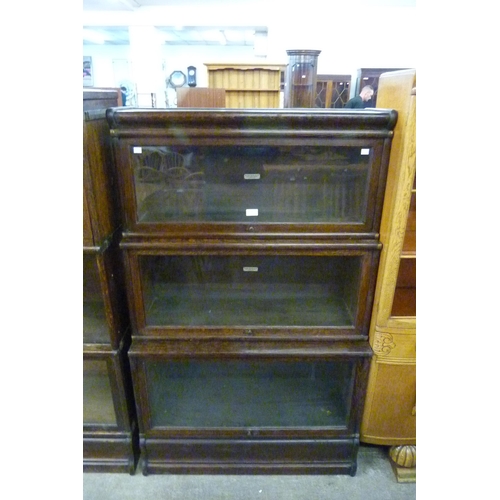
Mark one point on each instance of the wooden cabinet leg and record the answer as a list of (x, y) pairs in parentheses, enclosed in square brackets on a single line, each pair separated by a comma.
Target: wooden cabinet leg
[(404, 462)]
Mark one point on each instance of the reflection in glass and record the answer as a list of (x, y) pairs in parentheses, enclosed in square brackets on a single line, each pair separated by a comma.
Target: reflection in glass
[(283, 184), (250, 290), (95, 326), (97, 397), (249, 393)]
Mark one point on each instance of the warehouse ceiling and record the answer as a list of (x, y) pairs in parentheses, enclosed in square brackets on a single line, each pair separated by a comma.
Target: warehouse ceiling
[(191, 35), (170, 35)]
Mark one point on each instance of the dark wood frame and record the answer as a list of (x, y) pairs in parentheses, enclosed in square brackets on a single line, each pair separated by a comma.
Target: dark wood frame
[(369, 254), (107, 448), (301, 74), (242, 450), (252, 127), (101, 214), (111, 278), (324, 450)]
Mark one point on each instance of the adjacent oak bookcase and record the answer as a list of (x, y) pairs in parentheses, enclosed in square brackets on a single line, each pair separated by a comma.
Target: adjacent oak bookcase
[(251, 248), (110, 434), (390, 410)]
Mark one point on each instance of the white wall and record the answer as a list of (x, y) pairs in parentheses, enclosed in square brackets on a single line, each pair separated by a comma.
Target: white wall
[(180, 57), (110, 66), (375, 36), (102, 63)]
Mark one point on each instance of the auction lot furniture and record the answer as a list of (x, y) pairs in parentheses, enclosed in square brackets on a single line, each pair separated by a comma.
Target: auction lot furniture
[(251, 250), (110, 434), (390, 409)]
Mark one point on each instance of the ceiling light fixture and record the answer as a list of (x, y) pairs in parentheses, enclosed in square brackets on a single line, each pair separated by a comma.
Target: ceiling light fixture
[(222, 38), (94, 36), (234, 36), (131, 4)]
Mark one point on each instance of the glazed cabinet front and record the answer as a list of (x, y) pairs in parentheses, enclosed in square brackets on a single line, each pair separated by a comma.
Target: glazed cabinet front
[(256, 407), (109, 422), (110, 438), (234, 172), (105, 313), (251, 293)]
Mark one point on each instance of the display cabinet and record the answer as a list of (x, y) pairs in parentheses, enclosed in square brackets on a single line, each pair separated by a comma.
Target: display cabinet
[(332, 91), (252, 171), (390, 411), (110, 440), (219, 289), (249, 407), (301, 73), (251, 248), (370, 76)]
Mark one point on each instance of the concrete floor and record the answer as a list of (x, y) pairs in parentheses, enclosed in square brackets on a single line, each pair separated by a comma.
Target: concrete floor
[(374, 480)]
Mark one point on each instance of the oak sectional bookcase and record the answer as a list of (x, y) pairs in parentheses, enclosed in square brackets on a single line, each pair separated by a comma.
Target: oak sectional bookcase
[(110, 440), (251, 252)]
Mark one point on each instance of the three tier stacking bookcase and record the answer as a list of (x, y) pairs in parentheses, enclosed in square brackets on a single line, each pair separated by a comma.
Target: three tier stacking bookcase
[(251, 251)]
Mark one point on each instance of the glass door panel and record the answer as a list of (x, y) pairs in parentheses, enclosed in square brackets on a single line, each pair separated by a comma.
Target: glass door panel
[(249, 393), (301, 184), (95, 326), (98, 405), (250, 290)]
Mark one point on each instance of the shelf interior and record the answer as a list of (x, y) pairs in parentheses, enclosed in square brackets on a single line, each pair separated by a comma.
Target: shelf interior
[(247, 184), (250, 291), (98, 405), (249, 393)]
